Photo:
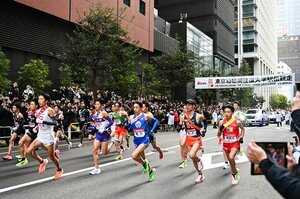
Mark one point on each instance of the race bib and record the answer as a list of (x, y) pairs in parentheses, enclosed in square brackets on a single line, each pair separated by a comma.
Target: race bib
[(139, 133), (230, 138), (99, 127), (191, 132)]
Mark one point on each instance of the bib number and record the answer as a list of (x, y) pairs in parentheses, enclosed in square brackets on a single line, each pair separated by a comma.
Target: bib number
[(139, 133), (191, 132), (230, 138)]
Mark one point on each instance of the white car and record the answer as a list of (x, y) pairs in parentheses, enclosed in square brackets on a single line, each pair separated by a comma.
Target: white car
[(271, 116), (256, 117)]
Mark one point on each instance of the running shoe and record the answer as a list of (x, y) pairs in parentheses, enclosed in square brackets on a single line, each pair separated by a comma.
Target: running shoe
[(70, 144), (19, 157), (95, 171), (57, 153), (200, 165), (152, 175), (183, 164), (22, 162), (122, 151), (200, 178), (115, 140), (226, 166), (236, 177), (7, 157), (58, 174), (80, 145), (119, 157), (127, 148), (161, 155), (42, 167), (146, 167)]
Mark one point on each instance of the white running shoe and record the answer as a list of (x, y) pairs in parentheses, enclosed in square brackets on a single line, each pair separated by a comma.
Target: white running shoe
[(200, 178), (200, 165), (226, 166), (80, 145), (95, 171), (71, 144), (236, 177)]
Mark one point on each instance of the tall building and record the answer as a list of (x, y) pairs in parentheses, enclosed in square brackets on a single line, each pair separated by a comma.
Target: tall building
[(288, 91), (288, 18), (31, 29), (259, 40), (214, 18), (289, 53)]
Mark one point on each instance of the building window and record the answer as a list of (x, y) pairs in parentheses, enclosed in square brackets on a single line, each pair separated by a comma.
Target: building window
[(126, 2), (142, 7)]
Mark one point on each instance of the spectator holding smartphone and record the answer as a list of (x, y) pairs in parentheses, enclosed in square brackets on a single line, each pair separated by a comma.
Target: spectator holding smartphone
[(286, 182)]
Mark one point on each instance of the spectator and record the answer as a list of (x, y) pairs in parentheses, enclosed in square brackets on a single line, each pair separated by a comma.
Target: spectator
[(286, 182), (28, 93), (278, 118), (171, 121)]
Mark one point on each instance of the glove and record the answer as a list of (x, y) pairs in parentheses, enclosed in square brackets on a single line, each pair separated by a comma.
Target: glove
[(221, 127), (241, 140), (178, 128), (202, 133)]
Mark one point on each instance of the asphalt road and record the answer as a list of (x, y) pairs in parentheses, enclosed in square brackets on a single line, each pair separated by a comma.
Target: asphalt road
[(123, 179)]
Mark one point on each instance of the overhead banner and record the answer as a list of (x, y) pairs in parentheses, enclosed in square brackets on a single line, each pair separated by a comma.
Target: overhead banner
[(244, 81)]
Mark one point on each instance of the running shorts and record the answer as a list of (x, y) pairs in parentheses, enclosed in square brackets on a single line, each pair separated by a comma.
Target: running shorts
[(102, 137), (121, 131), (46, 139), (190, 141), (139, 141), (228, 146)]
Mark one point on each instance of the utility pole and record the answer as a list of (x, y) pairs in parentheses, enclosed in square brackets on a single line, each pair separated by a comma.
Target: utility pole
[(240, 32)]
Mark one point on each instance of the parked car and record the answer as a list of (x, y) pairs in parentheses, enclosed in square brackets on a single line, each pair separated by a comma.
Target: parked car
[(271, 116), (256, 117)]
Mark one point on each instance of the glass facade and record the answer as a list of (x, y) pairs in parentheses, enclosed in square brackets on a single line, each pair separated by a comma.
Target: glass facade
[(201, 45)]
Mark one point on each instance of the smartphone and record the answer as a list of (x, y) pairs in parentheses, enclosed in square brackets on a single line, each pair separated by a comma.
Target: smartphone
[(276, 150)]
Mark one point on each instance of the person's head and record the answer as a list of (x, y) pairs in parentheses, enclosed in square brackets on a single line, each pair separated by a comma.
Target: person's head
[(221, 112), (137, 107), (32, 106), (99, 104), (56, 108), (236, 105), (146, 106), (43, 99), (69, 104), (16, 107), (228, 111), (190, 105), (82, 105), (117, 106)]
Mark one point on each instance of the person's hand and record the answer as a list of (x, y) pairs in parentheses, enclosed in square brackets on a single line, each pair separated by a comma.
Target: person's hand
[(255, 153), (296, 101), (291, 163)]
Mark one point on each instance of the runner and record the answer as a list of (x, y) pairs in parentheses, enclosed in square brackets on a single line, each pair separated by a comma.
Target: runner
[(59, 130), (152, 137), (220, 119), (83, 116), (18, 129), (191, 122), (46, 121), (29, 136), (232, 138), (182, 140), (120, 119), (138, 123), (127, 137), (100, 125)]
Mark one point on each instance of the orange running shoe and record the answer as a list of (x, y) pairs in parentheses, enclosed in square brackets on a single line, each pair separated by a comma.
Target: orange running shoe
[(58, 174), (42, 167)]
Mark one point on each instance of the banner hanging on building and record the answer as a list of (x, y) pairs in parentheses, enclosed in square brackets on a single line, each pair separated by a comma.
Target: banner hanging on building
[(244, 81)]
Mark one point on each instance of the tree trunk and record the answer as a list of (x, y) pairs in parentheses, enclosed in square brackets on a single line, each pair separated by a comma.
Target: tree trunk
[(93, 84)]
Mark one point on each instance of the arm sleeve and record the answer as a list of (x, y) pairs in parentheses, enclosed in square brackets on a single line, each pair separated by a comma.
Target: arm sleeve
[(287, 184), (110, 122), (155, 123)]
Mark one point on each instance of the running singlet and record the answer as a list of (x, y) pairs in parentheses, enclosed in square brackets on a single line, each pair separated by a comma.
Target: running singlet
[(140, 126), (119, 120), (31, 119), (231, 132), (41, 116), (190, 129), (100, 123)]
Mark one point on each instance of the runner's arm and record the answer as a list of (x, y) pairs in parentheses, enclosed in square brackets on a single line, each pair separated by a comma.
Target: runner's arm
[(242, 134), (110, 122), (154, 121), (179, 127), (219, 132)]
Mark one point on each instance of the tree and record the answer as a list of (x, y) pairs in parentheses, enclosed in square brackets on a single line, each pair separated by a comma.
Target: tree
[(98, 50), (152, 83), (278, 101), (35, 73), (176, 69), (4, 69)]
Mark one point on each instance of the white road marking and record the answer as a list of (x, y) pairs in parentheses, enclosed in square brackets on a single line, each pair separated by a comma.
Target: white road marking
[(206, 158)]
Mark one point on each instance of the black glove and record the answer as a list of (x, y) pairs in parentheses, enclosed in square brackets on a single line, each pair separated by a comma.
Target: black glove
[(221, 127), (202, 133), (241, 140), (178, 128)]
